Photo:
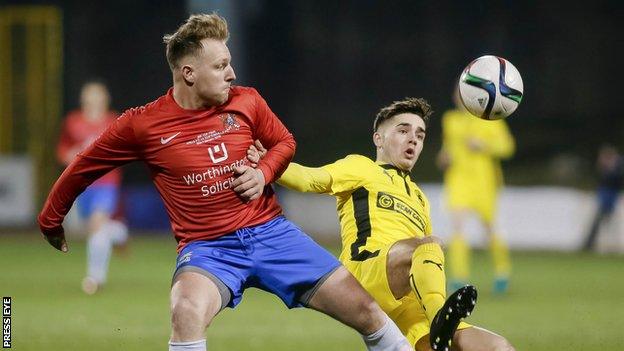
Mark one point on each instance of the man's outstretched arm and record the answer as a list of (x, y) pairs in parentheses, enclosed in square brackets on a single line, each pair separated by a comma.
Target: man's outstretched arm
[(295, 177), (306, 179)]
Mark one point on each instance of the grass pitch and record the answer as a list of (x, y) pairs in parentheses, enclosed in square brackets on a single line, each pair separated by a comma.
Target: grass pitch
[(556, 302)]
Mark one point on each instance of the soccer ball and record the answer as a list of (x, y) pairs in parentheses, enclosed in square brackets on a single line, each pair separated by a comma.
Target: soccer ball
[(490, 87)]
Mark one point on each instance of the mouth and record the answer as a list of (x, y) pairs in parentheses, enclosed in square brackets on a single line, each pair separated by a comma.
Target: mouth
[(410, 153)]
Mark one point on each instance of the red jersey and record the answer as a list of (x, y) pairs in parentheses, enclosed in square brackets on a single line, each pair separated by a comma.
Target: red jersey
[(191, 155), (78, 132)]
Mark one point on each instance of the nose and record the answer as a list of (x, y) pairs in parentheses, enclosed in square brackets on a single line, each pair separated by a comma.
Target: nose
[(230, 75)]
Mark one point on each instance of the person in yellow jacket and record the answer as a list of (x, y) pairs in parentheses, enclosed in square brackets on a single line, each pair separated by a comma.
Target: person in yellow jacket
[(472, 149), (387, 241)]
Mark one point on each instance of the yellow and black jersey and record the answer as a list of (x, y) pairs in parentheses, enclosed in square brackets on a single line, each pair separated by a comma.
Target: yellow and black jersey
[(377, 204)]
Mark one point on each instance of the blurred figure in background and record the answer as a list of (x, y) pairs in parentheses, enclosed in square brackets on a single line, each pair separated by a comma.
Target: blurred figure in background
[(98, 203), (470, 157), (610, 166)]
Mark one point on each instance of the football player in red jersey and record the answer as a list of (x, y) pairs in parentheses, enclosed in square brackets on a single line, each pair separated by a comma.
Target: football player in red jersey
[(224, 214), (98, 203)]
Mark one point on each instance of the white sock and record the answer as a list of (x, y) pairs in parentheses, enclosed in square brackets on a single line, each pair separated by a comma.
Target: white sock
[(117, 231), (99, 248), (199, 345), (388, 338), (98, 255)]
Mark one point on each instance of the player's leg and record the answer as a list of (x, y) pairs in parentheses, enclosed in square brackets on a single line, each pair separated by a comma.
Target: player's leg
[(418, 265), (343, 298), (209, 276), (459, 249), (590, 239), (476, 339), (118, 232), (502, 262), (102, 203), (292, 266), (498, 247), (98, 253), (607, 200), (195, 300)]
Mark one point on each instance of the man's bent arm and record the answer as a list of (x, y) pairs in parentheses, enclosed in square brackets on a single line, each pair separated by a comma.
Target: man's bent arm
[(115, 147), (276, 138)]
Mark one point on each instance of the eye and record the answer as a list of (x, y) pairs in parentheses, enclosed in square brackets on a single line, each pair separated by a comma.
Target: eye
[(403, 131)]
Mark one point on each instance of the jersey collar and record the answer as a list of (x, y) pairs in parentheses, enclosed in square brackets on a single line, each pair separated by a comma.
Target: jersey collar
[(399, 171)]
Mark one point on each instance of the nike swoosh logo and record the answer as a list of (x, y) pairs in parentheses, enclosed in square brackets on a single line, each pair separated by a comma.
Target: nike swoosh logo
[(166, 140)]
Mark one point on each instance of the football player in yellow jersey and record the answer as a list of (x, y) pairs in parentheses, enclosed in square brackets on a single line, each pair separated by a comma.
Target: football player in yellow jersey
[(470, 156), (386, 232)]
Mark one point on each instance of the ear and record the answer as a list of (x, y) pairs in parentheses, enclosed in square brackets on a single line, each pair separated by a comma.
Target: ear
[(188, 73), (377, 139)]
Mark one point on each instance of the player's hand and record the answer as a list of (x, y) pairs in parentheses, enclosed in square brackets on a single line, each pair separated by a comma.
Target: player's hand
[(248, 182), (443, 160), (475, 144), (255, 153), (57, 239)]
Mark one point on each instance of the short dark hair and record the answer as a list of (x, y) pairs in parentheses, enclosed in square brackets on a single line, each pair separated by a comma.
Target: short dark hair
[(187, 38), (417, 106)]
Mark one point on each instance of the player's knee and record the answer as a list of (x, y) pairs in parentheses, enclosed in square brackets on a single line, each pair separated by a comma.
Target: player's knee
[(401, 253), (186, 312), (430, 240), (414, 243)]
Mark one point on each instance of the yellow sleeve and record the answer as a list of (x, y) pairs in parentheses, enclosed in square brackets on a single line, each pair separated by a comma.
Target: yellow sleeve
[(305, 179), (341, 176), (500, 143), (347, 173)]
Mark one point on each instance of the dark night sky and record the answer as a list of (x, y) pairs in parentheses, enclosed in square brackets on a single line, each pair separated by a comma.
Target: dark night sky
[(327, 66)]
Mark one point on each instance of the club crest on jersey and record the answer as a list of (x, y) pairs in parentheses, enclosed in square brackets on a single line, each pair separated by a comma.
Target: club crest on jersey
[(229, 122)]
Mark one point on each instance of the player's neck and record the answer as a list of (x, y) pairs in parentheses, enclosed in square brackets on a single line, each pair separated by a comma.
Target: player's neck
[(380, 160), (187, 99), (94, 115)]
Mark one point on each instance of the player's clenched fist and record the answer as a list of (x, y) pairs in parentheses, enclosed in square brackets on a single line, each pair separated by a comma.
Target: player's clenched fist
[(248, 182), (255, 153)]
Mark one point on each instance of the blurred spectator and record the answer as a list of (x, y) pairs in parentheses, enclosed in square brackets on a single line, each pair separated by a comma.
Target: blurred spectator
[(610, 166), (98, 203), (470, 157)]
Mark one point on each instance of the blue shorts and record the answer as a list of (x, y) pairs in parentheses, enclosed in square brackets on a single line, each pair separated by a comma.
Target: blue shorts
[(277, 257), (98, 198)]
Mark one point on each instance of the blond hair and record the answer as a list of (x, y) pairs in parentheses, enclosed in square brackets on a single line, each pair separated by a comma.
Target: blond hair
[(187, 39), (417, 106)]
